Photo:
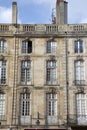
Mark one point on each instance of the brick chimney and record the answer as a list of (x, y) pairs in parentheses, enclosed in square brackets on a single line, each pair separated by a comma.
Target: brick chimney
[(14, 13)]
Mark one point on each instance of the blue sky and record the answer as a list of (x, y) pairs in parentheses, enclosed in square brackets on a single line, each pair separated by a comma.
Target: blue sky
[(39, 11)]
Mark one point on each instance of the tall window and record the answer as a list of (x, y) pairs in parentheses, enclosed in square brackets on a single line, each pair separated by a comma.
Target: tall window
[(2, 46), (79, 72), (2, 106), (27, 47), (81, 108), (51, 72), (51, 105), (78, 46), (51, 47), (2, 72), (25, 108), (26, 72)]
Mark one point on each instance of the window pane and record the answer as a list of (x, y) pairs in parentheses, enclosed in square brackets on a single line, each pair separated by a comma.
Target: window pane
[(79, 72), (27, 47), (51, 104), (81, 46), (2, 46), (51, 47), (78, 46), (25, 104), (26, 72), (2, 72), (2, 106), (51, 72)]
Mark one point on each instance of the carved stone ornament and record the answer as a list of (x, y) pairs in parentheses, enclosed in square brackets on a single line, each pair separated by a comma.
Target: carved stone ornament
[(52, 57), (2, 57), (79, 57), (26, 57), (26, 90), (80, 89), (51, 90)]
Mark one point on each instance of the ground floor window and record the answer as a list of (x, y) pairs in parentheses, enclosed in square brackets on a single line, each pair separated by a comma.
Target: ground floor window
[(25, 108), (51, 108), (2, 106), (81, 108)]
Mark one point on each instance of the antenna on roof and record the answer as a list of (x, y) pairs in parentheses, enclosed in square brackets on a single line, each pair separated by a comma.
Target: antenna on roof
[(53, 16)]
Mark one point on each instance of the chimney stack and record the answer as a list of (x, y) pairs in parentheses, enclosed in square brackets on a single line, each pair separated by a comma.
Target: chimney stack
[(61, 11), (14, 13)]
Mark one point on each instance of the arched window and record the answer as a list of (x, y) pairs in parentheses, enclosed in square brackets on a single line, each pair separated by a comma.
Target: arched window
[(78, 46)]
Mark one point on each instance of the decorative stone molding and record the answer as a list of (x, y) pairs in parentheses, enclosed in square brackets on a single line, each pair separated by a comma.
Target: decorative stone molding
[(52, 57), (26, 57), (2, 90), (80, 89), (26, 90), (51, 90), (2, 57), (79, 57)]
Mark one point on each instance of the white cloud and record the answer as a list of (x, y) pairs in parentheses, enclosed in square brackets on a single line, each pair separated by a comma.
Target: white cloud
[(77, 11), (83, 20), (6, 15)]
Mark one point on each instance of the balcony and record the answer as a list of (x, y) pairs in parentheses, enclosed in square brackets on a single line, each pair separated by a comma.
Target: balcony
[(39, 120), (3, 82), (78, 120), (79, 82), (44, 29), (53, 83), (2, 117), (4, 27), (52, 120)]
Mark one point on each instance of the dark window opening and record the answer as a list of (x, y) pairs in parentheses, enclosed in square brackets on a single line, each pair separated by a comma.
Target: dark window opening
[(29, 47)]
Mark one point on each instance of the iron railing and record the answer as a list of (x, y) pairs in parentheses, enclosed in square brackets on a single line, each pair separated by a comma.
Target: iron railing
[(48, 120), (78, 119), (79, 82), (2, 117)]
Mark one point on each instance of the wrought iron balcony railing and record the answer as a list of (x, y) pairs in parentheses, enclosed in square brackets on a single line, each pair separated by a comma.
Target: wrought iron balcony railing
[(79, 82), (2, 81), (2, 117), (78, 119)]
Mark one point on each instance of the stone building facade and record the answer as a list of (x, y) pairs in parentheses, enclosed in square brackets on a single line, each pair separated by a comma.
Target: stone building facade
[(43, 74)]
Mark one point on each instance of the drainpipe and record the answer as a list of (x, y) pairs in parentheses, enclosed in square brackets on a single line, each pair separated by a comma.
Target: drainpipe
[(67, 81)]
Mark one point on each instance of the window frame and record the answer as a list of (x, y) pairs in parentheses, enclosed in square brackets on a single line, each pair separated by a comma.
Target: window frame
[(51, 47), (79, 72), (2, 106), (3, 72), (25, 47), (3, 45), (26, 72), (51, 108), (25, 108), (81, 108), (78, 46), (51, 72)]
